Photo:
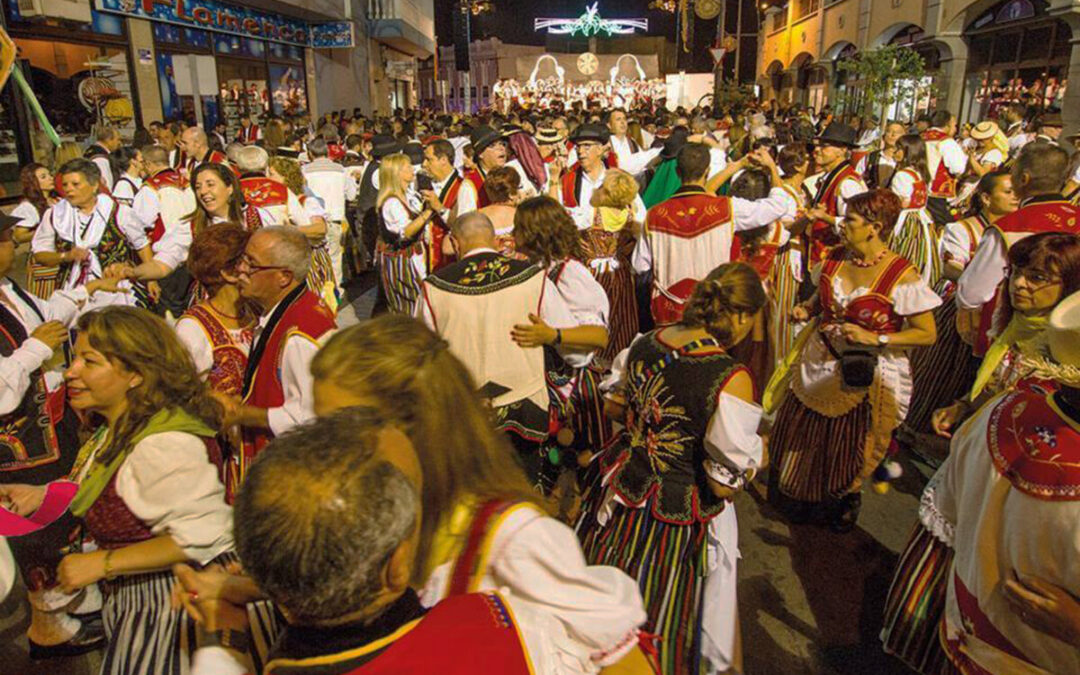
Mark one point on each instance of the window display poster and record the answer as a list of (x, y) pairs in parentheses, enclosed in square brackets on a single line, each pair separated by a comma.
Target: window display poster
[(289, 89)]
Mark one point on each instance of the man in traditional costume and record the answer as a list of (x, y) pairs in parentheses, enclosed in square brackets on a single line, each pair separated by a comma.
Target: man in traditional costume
[(369, 620), (277, 204), (577, 184), (249, 132), (688, 235), (332, 184), (946, 161), (277, 382), (1038, 175), (446, 184), (490, 151), (1010, 490), (838, 182), (196, 145), (106, 140), (474, 305)]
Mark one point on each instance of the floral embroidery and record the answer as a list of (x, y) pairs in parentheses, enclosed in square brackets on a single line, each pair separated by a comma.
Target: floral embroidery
[(658, 432), (485, 270)]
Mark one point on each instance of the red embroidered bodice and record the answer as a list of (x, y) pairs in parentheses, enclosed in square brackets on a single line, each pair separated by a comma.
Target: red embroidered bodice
[(874, 310)]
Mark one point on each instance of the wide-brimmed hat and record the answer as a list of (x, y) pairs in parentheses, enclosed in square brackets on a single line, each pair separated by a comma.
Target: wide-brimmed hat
[(7, 222), (838, 133), (383, 145), (674, 143), (985, 130), (1051, 119), (1063, 331), (482, 137), (549, 136), (591, 132)]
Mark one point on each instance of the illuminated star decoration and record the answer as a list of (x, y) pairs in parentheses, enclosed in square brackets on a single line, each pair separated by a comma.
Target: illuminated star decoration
[(590, 24)]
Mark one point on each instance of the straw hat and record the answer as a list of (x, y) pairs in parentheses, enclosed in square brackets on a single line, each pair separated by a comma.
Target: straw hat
[(985, 130)]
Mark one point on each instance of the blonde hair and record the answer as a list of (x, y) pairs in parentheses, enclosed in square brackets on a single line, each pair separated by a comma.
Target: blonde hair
[(410, 376), (618, 190), (65, 152), (290, 172), (390, 184)]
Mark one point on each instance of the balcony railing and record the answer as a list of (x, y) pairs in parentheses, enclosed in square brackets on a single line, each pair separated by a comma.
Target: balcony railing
[(418, 13)]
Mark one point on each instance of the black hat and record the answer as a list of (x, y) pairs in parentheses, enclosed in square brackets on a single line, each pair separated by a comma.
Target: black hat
[(482, 137), (591, 132), (838, 133), (415, 153), (383, 146), (7, 222), (674, 143)]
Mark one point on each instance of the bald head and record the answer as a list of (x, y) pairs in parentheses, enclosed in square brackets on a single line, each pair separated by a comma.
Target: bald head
[(194, 142), (472, 231)]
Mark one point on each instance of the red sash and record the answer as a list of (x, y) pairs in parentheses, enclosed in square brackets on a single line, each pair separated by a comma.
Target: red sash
[(168, 178), (944, 183), (570, 185), (872, 311), (439, 227), (978, 624), (470, 563), (264, 192)]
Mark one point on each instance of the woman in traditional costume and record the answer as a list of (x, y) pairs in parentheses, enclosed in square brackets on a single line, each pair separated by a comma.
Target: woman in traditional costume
[(690, 444), (848, 373), (320, 279), (944, 372), (787, 272), (606, 247), (219, 199), (503, 187), (400, 249), (1045, 269), (914, 238), (39, 194), (219, 330), (127, 166), (149, 493)]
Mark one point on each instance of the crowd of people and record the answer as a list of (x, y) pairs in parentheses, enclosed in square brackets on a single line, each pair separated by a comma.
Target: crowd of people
[(594, 327)]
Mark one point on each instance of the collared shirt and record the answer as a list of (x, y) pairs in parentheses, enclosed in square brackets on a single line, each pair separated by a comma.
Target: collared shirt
[(296, 379)]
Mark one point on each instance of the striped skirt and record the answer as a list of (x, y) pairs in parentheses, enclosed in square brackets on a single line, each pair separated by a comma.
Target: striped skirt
[(784, 297), (940, 373), (399, 278), (618, 284), (320, 279), (915, 606), (915, 239), (145, 636), (670, 565), (42, 281), (818, 458)]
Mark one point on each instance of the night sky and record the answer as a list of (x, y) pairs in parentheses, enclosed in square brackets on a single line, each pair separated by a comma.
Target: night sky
[(512, 20)]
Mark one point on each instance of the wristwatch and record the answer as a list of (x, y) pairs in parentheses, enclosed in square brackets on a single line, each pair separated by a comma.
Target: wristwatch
[(226, 637), (883, 340)]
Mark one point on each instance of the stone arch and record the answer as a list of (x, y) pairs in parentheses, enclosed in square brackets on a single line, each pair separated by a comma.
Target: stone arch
[(834, 51), (800, 60), (886, 36)]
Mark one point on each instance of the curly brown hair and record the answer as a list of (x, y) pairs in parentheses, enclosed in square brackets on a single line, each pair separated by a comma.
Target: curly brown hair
[(31, 188), (502, 184), (729, 289), (544, 231), (290, 172), (217, 248), (143, 343)]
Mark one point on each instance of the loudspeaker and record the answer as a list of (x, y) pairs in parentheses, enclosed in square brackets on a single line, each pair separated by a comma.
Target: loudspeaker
[(461, 37)]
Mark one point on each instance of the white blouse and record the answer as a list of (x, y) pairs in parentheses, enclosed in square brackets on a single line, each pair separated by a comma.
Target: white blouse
[(27, 214), (169, 484), (956, 244), (903, 186), (540, 561), (587, 302)]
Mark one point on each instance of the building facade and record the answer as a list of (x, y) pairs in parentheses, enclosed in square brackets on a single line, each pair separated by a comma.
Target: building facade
[(127, 63), (979, 54)]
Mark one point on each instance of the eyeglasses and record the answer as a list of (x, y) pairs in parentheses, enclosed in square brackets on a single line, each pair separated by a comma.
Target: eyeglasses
[(246, 264), (1036, 280)]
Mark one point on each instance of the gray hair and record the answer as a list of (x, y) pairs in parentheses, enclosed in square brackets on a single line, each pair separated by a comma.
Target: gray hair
[(90, 171), (317, 148), (154, 154), (105, 133), (320, 515), (289, 249), (252, 159), (233, 149)]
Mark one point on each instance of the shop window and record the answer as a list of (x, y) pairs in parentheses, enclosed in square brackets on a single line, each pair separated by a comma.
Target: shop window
[(233, 45), (1036, 44), (288, 93), (284, 52), (980, 51), (243, 91), (79, 86), (805, 8), (1006, 47)]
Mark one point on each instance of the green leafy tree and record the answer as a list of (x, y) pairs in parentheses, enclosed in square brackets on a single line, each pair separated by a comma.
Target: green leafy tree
[(882, 76)]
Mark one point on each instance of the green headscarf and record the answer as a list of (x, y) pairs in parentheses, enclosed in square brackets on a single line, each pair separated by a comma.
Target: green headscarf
[(665, 182)]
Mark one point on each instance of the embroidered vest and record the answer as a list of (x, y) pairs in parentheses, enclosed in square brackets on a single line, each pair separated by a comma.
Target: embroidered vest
[(919, 193), (212, 157), (478, 630), (873, 311), (267, 194), (689, 235), (669, 410), (943, 183), (300, 313), (37, 431), (439, 228), (1050, 213), (823, 236), (230, 361), (1034, 447), (169, 179), (571, 186)]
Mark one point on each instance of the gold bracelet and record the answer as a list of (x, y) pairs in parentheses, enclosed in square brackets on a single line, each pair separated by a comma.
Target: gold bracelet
[(108, 565)]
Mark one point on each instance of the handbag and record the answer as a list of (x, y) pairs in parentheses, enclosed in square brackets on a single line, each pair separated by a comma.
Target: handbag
[(857, 365)]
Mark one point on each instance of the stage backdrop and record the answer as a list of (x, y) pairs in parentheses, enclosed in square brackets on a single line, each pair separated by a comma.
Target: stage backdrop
[(628, 67)]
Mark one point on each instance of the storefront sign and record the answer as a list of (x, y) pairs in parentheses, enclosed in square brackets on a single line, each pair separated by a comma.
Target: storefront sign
[(226, 18), (337, 34)]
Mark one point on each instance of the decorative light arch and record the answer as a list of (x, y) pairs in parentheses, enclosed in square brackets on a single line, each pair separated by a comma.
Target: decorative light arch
[(590, 24), (637, 66), (560, 72)]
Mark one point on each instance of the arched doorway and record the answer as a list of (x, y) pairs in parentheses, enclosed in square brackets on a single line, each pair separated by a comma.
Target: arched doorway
[(774, 73)]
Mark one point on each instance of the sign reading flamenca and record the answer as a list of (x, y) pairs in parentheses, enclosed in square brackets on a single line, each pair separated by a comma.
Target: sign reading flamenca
[(226, 18)]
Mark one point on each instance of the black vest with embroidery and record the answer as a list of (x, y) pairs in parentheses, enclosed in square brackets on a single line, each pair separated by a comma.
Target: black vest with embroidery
[(483, 273), (669, 410)]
